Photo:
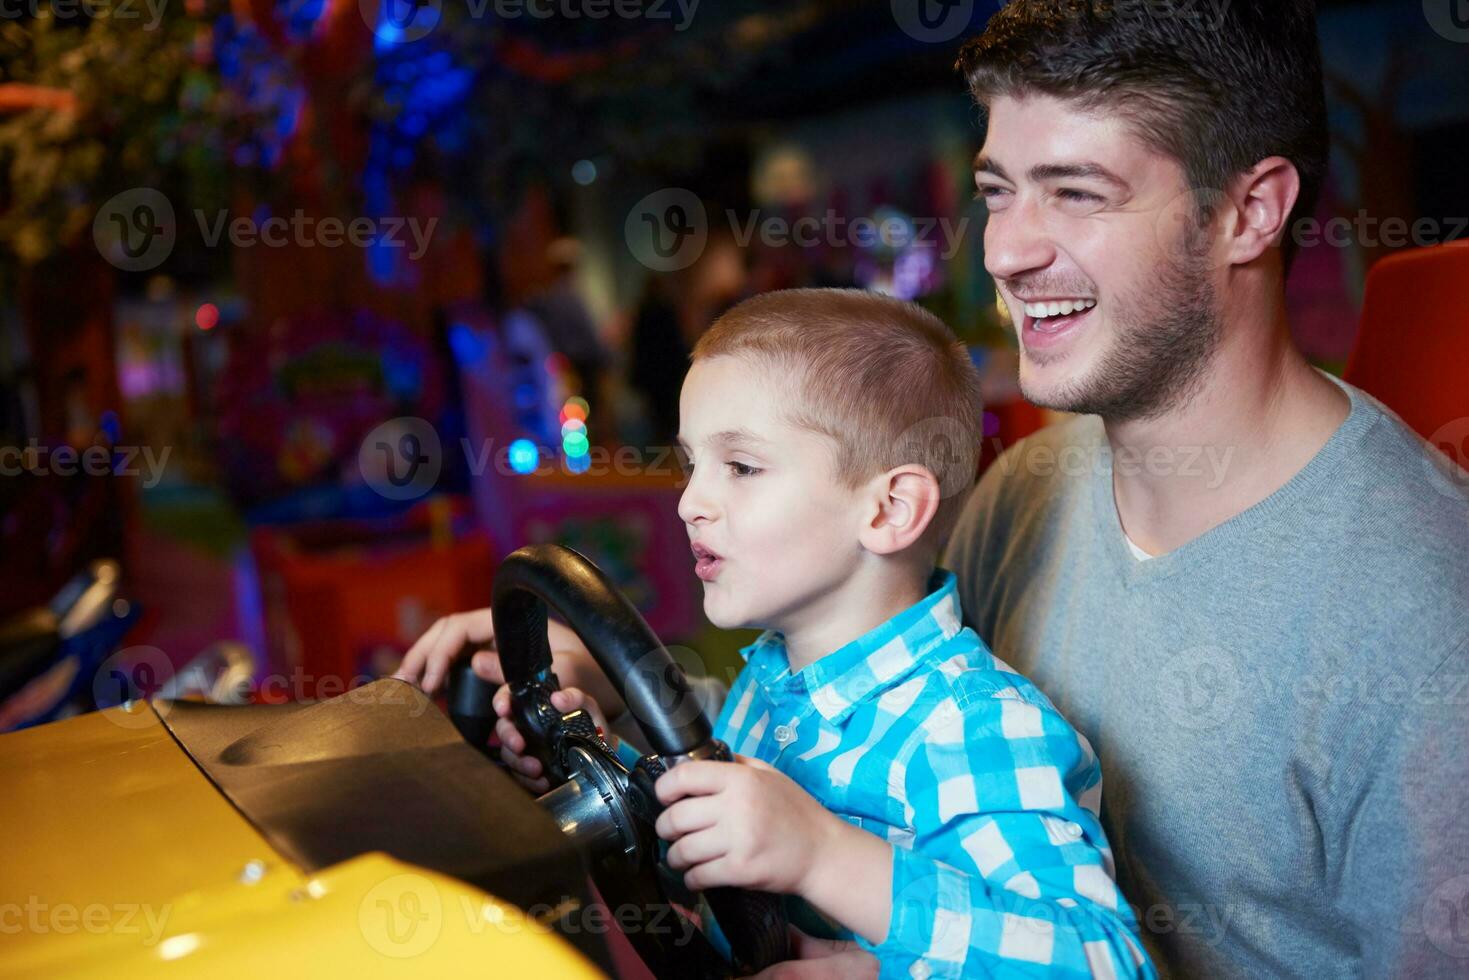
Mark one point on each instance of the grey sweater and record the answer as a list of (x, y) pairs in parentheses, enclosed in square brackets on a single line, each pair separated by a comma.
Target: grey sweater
[(1280, 706)]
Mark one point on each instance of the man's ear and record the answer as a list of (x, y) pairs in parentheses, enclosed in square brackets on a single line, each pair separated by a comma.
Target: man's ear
[(1263, 197), (906, 499)]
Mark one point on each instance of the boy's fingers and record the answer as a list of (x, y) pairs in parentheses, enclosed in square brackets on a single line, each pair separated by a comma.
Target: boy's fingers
[(510, 736), (441, 650), (534, 786), (687, 816), (486, 665), (501, 701), (691, 779), (477, 626), (417, 655), (443, 642), (753, 763), (522, 765), (695, 849), (572, 698), (710, 874)]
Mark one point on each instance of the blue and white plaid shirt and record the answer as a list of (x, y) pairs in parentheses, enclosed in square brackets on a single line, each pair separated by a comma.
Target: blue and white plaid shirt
[(918, 734)]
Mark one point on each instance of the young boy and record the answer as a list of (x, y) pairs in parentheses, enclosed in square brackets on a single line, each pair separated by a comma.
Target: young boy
[(910, 790)]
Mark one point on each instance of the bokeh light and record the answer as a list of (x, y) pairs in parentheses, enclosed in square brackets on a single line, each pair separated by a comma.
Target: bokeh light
[(524, 456)]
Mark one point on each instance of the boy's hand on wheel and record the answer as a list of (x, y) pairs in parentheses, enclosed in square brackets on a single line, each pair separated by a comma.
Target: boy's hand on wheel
[(428, 660), (743, 824), (527, 769)]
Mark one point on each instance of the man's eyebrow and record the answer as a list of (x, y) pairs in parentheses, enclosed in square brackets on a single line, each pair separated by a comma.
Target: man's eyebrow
[(982, 162), (1074, 171), (1086, 170)]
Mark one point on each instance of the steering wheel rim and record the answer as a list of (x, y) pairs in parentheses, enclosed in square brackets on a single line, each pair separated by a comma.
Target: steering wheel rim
[(667, 711)]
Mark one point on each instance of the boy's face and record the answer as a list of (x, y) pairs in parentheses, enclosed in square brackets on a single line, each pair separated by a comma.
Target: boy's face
[(1082, 211), (763, 499)]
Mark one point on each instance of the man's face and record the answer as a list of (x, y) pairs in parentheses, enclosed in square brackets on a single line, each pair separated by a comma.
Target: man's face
[(780, 532), (1084, 215)]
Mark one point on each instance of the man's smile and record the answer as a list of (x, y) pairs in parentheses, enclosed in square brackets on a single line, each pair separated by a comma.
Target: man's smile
[(1049, 323)]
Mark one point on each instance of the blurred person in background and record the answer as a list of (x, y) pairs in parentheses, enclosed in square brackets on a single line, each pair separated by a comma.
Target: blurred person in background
[(569, 325), (672, 313)]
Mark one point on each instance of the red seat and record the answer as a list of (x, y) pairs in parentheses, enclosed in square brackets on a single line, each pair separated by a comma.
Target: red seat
[(1412, 349)]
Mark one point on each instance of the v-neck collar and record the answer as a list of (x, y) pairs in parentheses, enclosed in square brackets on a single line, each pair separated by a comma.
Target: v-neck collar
[(1244, 525)]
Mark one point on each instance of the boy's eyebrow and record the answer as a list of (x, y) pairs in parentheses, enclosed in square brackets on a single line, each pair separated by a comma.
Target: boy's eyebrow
[(729, 438), (1054, 171)]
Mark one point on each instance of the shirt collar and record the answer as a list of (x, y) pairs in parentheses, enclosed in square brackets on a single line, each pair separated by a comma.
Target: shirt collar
[(868, 665)]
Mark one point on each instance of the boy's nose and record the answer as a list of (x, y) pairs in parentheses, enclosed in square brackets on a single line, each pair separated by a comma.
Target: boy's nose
[(695, 506)]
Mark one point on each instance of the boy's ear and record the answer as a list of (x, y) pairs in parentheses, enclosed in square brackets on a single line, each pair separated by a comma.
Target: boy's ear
[(907, 498)]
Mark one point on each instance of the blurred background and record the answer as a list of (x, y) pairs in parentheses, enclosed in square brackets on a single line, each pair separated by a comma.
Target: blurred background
[(311, 310)]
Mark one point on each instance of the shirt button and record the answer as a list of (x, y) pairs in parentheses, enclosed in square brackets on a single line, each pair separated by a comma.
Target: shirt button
[(920, 971), (784, 734), (1073, 830)]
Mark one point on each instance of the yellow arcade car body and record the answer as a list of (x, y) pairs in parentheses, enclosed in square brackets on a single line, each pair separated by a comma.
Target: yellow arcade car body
[(124, 858)]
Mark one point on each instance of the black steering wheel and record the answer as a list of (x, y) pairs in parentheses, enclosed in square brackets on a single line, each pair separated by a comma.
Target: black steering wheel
[(607, 807)]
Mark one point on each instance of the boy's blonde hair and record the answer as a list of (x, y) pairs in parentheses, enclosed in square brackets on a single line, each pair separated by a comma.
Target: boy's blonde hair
[(885, 379)]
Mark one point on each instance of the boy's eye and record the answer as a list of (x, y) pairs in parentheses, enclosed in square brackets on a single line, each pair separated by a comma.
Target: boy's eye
[(741, 469)]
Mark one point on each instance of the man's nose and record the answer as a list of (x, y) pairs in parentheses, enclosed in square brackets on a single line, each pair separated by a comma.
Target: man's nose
[(1017, 241)]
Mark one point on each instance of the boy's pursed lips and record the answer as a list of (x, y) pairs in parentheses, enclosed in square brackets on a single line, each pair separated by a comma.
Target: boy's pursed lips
[(706, 562)]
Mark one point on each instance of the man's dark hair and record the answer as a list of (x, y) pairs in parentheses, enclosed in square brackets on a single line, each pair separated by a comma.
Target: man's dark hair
[(1216, 97)]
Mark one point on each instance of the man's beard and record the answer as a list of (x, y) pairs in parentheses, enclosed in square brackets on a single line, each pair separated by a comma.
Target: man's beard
[(1156, 363)]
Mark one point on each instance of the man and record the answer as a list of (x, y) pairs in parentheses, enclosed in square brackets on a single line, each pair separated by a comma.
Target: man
[(1241, 579)]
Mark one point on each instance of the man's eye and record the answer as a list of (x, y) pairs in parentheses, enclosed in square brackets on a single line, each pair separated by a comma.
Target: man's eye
[(989, 192), (741, 469), (1084, 197)]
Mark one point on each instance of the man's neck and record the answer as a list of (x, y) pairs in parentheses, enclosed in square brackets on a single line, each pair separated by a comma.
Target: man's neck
[(1259, 416), (876, 592)]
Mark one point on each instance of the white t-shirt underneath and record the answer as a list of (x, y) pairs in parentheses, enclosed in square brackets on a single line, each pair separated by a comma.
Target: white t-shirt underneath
[(1137, 552)]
